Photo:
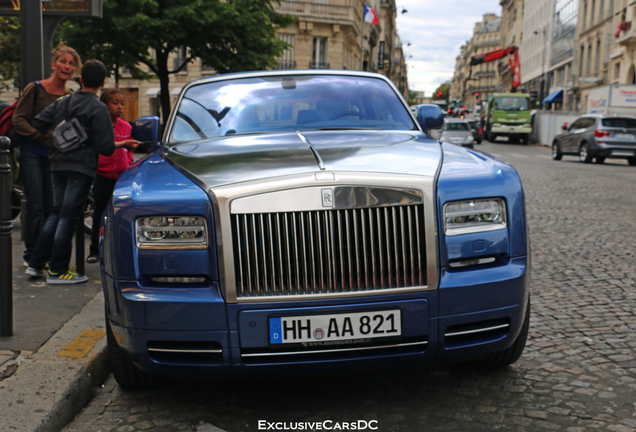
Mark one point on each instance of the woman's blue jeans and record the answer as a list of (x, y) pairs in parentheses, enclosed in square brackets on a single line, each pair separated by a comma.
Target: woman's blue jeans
[(70, 191), (35, 173)]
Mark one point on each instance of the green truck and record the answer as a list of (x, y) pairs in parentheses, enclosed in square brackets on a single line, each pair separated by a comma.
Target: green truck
[(509, 115)]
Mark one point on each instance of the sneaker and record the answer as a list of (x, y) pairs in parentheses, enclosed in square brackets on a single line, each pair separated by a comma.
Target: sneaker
[(30, 271), (70, 277), (92, 259)]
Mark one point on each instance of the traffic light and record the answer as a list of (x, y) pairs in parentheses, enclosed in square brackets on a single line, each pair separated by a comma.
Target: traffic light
[(439, 94), (477, 96)]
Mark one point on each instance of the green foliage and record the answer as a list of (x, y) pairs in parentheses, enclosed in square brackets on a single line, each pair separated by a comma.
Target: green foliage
[(229, 36), (9, 49), (445, 92)]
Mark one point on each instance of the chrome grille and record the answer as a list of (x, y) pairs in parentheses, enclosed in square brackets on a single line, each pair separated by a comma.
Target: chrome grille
[(329, 251)]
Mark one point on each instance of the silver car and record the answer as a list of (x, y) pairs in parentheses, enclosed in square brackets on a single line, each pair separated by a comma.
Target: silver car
[(457, 131), (597, 137)]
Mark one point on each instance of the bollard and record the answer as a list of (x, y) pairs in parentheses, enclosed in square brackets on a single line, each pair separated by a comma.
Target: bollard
[(6, 226)]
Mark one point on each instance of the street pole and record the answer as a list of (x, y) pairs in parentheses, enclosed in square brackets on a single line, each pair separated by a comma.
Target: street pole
[(6, 226), (31, 41)]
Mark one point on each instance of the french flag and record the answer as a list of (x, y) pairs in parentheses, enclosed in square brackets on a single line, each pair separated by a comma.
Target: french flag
[(370, 16)]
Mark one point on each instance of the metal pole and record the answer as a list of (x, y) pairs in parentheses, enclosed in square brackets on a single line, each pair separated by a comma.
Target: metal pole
[(31, 42), (6, 226)]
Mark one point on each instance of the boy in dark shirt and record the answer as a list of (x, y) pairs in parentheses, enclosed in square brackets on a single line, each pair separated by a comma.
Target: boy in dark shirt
[(72, 173)]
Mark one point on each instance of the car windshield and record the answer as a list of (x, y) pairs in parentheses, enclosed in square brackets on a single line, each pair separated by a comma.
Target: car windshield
[(474, 124), (511, 103), (288, 103), (620, 122), (456, 126)]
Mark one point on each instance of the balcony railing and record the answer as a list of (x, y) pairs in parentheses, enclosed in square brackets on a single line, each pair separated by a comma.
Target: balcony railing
[(484, 74), (319, 65), (337, 12), (286, 64)]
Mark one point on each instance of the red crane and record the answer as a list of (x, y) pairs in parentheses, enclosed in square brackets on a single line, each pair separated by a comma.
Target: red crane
[(513, 57)]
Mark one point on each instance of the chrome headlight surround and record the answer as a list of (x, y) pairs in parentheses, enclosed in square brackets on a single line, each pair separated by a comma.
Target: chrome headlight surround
[(171, 232), (472, 216)]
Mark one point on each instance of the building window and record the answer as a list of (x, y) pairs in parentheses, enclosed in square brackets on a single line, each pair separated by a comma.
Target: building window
[(182, 55), (617, 71), (581, 62), (601, 11), (598, 55), (584, 16), (589, 59), (286, 61), (319, 54), (592, 13)]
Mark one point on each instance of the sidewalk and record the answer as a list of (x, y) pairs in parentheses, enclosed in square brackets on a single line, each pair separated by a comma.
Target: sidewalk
[(41, 386)]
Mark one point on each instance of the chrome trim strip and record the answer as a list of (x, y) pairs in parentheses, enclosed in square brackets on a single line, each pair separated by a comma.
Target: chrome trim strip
[(345, 197), (482, 330), (186, 351), (321, 163), (289, 353)]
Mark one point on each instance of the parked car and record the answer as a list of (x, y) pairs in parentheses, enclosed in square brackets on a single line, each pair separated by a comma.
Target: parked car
[(458, 131), (302, 221), (597, 136), (478, 132)]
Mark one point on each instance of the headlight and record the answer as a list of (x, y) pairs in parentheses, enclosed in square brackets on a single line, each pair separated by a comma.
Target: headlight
[(171, 232), (469, 139), (472, 216)]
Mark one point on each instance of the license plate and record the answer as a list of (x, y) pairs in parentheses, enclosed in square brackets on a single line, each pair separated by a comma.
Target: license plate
[(335, 327), (629, 137)]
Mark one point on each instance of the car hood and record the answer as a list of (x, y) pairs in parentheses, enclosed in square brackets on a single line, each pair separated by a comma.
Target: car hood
[(243, 158)]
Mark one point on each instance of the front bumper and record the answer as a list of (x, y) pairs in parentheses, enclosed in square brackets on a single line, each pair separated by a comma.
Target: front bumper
[(511, 130), (171, 331)]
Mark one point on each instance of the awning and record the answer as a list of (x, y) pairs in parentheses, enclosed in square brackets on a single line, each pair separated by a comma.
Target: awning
[(556, 96), (152, 92), (175, 91)]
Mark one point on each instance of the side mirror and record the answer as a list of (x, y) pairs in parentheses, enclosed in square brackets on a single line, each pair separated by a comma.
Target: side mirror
[(146, 129), (430, 116), (565, 126)]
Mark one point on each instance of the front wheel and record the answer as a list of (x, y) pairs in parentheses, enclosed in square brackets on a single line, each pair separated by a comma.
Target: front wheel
[(127, 375), (556, 152), (584, 153), (511, 354), (632, 161)]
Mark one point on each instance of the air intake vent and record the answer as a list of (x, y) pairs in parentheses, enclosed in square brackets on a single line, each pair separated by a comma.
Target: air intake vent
[(330, 251)]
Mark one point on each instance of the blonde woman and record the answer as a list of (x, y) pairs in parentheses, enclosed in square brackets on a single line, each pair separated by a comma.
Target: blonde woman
[(35, 168)]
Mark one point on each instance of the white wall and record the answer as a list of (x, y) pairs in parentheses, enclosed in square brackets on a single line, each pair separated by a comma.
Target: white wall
[(547, 125)]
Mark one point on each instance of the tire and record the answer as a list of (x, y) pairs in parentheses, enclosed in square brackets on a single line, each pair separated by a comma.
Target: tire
[(556, 152), (525, 139), (584, 153), (127, 375), (631, 161), (599, 160), (511, 354)]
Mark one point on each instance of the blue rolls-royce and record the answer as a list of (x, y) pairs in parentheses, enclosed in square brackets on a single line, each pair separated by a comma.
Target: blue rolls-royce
[(292, 221)]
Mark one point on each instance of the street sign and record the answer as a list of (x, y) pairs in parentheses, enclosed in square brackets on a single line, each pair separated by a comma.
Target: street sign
[(66, 8)]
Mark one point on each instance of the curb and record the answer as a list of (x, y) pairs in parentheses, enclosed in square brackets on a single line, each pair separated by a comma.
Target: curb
[(47, 391)]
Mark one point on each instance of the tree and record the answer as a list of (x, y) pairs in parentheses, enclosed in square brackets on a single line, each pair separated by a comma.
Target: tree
[(230, 36), (9, 49)]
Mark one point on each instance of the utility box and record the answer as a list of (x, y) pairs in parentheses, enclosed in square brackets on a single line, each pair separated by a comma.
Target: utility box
[(612, 99)]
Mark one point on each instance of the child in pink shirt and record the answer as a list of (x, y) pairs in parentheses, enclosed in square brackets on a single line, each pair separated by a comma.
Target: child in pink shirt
[(110, 167)]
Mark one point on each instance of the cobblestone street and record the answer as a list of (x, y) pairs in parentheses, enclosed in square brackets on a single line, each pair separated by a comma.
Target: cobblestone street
[(577, 373)]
